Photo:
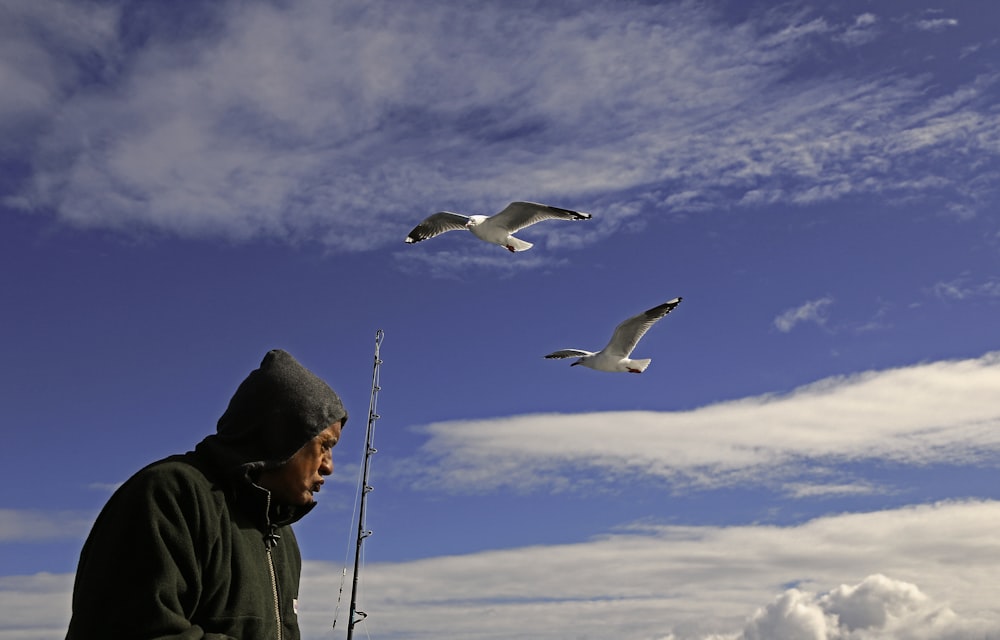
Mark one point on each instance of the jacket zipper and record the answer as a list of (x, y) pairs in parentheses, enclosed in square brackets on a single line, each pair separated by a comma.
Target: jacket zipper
[(274, 590), (270, 540)]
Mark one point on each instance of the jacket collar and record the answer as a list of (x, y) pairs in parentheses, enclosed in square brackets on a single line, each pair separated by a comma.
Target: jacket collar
[(237, 477)]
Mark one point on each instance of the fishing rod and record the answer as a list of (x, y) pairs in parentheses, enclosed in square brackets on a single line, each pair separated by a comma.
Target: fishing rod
[(355, 615)]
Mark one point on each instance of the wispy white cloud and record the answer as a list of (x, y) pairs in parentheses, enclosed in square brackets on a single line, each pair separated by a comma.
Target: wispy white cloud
[(829, 490), (29, 525), (451, 264), (936, 24), (963, 288), (940, 412), (863, 30), (35, 607), (40, 39), (923, 572), (877, 322), (811, 311), (875, 575), (318, 121)]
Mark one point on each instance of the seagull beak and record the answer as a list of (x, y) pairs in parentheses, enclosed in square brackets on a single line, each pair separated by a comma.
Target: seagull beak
[(573, 364)]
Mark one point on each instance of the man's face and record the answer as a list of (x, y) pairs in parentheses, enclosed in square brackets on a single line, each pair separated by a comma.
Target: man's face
[(297, 480)]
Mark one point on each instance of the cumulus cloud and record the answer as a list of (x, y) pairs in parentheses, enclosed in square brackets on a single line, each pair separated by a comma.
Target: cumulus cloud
[(939, 412), (877, 608), (321, 122), (811, 311)]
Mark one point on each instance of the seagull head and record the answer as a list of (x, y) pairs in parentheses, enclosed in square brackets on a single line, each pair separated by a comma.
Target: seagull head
[(475, 221)]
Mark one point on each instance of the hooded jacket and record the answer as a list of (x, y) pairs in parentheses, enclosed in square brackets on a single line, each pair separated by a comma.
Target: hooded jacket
[(190, 546)]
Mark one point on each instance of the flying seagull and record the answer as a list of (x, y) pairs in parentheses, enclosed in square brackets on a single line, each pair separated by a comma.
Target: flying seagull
[(499, 228), (615, 356)]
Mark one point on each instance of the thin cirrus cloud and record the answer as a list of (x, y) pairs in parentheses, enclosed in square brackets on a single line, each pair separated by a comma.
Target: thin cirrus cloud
[(254, 132), (940, 412)]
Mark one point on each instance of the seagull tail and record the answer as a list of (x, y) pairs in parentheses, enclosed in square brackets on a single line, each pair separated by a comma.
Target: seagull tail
[(516, 244), (638, 366)]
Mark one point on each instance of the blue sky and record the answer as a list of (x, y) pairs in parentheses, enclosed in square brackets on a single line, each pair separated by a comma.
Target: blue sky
[(813, 451)]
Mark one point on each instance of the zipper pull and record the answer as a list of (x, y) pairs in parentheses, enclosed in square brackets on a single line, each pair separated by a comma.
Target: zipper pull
[(272, 537)]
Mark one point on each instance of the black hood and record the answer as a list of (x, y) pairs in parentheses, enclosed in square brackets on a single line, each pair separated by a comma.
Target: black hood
[(278, 408)]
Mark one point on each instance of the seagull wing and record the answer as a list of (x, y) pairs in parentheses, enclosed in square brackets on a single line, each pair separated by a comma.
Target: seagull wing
[(436, 224), (518, 215), (629, 332), (569, 353)]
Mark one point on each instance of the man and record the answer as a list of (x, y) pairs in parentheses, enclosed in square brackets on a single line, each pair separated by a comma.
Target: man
[(199, 545)]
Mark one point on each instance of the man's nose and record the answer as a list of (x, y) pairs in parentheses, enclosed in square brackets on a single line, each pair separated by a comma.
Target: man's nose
[(326, 465)]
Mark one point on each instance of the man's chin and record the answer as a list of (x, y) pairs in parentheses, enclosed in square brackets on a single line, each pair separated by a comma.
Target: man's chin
[(302, 500)]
